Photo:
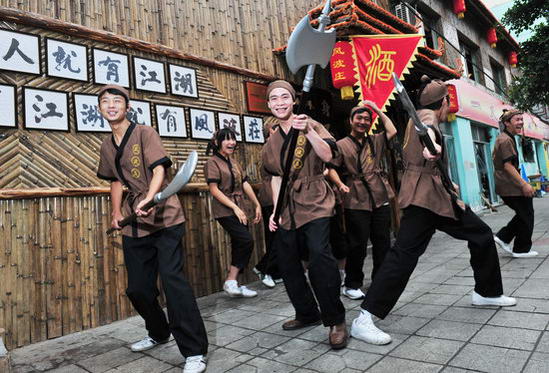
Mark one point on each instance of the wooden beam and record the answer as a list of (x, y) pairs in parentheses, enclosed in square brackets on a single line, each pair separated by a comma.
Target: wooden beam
[(38, 20), (90, 191)]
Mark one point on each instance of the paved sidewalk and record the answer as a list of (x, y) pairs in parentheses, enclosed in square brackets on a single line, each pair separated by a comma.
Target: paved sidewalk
[(434, 327)]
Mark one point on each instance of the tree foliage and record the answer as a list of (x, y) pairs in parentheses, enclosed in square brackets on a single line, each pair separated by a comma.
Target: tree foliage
[(531, 87)]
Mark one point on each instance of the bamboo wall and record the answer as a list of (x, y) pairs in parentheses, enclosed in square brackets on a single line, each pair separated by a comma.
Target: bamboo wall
[(237, 32), (33, 159), (60, 273)]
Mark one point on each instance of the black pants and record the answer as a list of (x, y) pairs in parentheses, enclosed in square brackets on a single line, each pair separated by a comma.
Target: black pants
[(268, 263), (242, 242), (521, 226), (361, 225), (338, 238), (323, 272), (416, 229), (145, 258)]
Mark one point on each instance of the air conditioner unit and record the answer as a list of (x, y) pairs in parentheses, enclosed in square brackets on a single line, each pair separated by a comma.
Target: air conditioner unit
[(404, 13)]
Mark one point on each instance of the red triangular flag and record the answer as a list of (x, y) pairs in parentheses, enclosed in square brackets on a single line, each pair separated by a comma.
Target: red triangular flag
[(377, 57)]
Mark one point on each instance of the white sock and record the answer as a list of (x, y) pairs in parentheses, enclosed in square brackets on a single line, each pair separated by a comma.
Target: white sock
[(364, 313)]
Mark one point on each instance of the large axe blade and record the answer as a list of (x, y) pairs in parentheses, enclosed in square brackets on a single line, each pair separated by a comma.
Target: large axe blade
[(309, 46)]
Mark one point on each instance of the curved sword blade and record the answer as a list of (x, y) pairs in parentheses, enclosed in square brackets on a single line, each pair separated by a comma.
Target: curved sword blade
[(180, 179)]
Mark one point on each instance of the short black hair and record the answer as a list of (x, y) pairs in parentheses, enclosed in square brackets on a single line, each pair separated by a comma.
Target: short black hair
[(362, 110), (225, 133), (114, 91)]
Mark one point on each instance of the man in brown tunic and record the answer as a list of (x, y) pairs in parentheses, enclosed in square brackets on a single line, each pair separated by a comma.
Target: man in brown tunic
[(429, 205), (135, 158), (515, 192), (305, 218), (366, 193)]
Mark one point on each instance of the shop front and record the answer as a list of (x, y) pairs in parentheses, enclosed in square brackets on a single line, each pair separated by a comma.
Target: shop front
[(473, 134)]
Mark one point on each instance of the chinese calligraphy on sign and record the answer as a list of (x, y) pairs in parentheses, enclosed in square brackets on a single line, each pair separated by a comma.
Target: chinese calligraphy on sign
[(149, 75), (110, 68), (253, 129), (19, 52), (202, 124), (380, 66), (87, 115), (140, 112), (66, 60), (376, 58), (46, 109), (8, 117), (183, 81), (232, 121), (171, 121)]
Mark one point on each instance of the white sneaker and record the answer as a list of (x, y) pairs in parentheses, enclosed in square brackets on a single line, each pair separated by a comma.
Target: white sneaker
[(146, 344), (247, 293), (268, 281), (353, 293), (529, 254), (278, 280), (194, 364), (501, 301), (363, 328), (232, 289), (502, 245)]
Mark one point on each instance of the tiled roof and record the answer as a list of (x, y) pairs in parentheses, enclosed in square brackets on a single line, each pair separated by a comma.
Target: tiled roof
[(364, 17)]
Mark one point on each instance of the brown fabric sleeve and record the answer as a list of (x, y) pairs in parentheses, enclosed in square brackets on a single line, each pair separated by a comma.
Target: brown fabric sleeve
[(507, 151), (153, 150), (212, 172), (104, 170), (337, 160)]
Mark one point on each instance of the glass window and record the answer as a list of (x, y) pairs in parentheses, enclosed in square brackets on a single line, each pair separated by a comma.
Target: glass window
[(472, 67), (498, 75)]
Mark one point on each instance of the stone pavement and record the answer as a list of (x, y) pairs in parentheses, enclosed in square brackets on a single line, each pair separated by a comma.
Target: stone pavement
[(434, 327)]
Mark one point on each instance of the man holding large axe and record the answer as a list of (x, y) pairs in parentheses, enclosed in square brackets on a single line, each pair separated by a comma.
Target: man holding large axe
[(295, 156), (429, 201), (134, 157)]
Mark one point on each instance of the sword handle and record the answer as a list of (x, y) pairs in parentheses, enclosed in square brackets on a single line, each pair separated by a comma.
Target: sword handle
[(427, 141), (128, 219)]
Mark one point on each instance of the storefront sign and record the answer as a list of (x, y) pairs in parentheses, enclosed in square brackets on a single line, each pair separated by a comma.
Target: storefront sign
[(256, 97), (480, 106)]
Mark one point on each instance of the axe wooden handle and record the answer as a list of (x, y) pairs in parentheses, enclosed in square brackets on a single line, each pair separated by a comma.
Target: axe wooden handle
[(289, 160)]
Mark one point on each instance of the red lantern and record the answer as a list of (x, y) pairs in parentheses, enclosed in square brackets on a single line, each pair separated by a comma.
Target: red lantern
[(454, 102), (342, 65), (492, 37), (513, 59), (459, 8)]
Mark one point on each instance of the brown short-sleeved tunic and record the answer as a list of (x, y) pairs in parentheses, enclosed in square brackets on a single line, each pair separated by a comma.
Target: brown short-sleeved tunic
[(505, 150), (132, 163), (421, 183), (309, 196), (363, 172), (229, 177)]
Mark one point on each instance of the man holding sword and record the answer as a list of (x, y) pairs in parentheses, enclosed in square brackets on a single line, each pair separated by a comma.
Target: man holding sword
[(134, 157), (429, 202)]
